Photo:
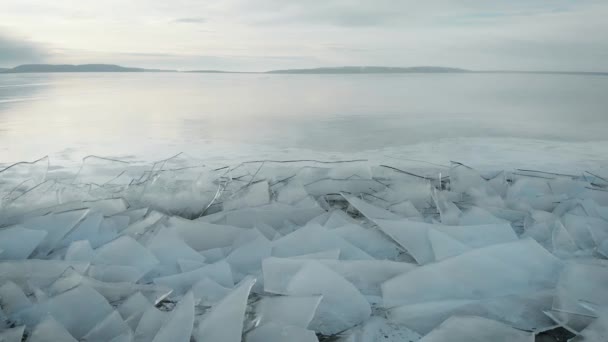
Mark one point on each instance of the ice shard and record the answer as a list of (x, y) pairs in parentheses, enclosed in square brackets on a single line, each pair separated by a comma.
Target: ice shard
[(220, 272), (273, 332), (476, 329), (12, 334), (178, 326), (107, 329), (342, 306), (203, 236), (295, 311), (497, 270), (225, 320), (378, 329), (18, 243), (50, 330), (126, 251)]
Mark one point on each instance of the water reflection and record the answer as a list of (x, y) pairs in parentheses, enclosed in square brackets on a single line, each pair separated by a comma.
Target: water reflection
[(159, 114)]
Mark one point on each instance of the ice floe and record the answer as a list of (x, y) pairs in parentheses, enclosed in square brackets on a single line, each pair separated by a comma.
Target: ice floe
[(302, 251)]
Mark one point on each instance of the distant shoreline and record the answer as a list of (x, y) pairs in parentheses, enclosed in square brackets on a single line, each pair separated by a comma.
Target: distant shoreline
[(347, 70)]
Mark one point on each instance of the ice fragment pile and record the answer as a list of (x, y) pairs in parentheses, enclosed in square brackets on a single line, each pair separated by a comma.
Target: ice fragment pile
[(300, 251)]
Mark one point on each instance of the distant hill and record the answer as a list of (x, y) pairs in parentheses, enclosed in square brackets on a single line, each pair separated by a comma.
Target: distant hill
[(370, 70), (33, 68), (3, 69)]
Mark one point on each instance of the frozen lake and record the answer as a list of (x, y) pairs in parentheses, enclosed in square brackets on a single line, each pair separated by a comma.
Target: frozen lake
[(529, 120)]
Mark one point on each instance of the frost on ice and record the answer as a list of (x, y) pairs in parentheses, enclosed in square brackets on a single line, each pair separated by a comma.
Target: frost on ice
[(300, 251)]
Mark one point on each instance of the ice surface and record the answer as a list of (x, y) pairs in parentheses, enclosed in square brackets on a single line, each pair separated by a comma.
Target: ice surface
[(247, 258), (378, 329), (178, 326), (220, 272), (497, 270), (272, 332), (255, 195), (12, 298), (342, 306), (80, 251), (78, 309), (371, 241), (525, 312), (225, 321), (50, 330), (125, 251), (476, 329), (12, 334), (137, 303), (203, 236), (288, 310), (88, 228), (149, 324), (581, 282), (36, 272), (110, 327), (597, 330), (56, 226), (18, 242), (208, 292), (169, 248), (343, 251), (314, 238), (414, 237)]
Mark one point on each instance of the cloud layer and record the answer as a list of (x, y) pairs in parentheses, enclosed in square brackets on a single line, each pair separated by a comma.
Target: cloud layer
[(268, 34), (19, 51)]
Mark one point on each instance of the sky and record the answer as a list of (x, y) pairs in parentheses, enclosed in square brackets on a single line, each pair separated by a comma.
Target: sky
[(258, 35)]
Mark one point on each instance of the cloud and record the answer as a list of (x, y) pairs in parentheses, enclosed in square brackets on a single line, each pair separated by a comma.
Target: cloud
[(191, 20), (15, 51)]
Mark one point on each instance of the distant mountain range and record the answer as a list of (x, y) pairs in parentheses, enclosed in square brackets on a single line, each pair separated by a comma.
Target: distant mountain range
[(50, 68), (370, 70), (43, 68)]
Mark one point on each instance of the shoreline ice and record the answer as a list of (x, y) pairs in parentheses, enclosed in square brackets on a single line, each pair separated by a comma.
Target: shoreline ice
[(344, 250)]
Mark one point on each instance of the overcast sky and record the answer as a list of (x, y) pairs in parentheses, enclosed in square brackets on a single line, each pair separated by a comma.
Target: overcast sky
[(272, 34)]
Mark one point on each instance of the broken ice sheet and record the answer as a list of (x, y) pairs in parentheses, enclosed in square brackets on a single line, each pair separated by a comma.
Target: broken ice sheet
[(35, 272), (168, 248), (295, 311), (273, 332), (18, 242), (378, 329), (571, 290), (524, 312), (315, 238), (202, 235), (12, 334), (476, 329), (370, 240), (496, 270), (50, 330), (208, 292), (597, 330), (125, 251), (108, 328), (78, 310), (342, 306), (336, 186), (178, 326), (413, 236), (56, 226), (219, 272), (225, 320), (12, 298), (253, 195)]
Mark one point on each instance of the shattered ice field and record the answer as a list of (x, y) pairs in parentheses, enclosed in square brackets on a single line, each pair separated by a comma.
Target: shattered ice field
[(301, 251)]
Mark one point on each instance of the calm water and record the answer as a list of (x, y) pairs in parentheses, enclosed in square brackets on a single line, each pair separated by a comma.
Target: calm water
[(154, 115)]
